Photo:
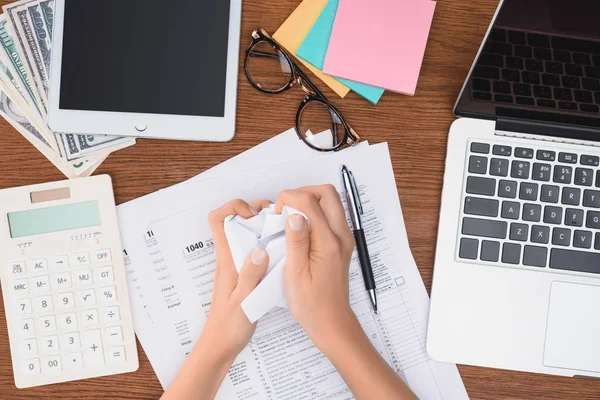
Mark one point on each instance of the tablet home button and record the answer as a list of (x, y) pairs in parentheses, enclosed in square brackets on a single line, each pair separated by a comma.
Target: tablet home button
[(141, 127)]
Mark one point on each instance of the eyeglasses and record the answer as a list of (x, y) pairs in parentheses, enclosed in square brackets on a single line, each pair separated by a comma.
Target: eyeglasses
[(270, 69)]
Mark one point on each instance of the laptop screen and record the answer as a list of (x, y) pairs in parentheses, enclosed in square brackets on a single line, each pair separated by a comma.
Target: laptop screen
[(540, 63)]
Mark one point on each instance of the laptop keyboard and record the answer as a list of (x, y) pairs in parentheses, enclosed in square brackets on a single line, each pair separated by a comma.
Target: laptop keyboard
[(529, 69), (531, 207)]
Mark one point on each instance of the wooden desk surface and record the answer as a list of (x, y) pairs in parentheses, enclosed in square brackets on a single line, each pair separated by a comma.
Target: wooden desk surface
[(415, 128)]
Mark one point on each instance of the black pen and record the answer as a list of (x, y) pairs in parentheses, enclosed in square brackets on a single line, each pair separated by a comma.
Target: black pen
[(356, 211)]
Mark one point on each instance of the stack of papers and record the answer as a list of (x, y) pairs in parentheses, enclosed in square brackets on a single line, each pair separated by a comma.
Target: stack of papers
[(170, 261)]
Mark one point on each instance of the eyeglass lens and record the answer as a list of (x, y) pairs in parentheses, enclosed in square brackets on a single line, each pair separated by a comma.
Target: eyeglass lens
[(321, 126), (268, 68)]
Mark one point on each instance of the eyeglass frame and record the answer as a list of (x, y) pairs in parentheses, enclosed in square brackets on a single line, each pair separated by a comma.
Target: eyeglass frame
[(313, 94)]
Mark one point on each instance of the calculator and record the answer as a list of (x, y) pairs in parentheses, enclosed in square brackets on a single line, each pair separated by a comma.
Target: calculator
[(63, 282)]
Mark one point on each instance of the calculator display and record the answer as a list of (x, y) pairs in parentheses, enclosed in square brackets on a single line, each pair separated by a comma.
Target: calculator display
[(54, 219)]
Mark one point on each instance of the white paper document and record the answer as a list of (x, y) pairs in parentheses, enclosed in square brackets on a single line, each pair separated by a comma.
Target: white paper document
[(281, 362)]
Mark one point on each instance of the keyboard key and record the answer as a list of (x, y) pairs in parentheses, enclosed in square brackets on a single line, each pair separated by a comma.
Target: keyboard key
[(20, 286), (532, 212), (573, 70), (584, 177), (541, 172), (86, 297), (522, 89), (520, 169), (481, 207), (17, 268), (550, 80), (561, 237), (59, 262), (523, 152), (513, 63), (71, 341), (502, 87), (92, 347), (563, 94), (540, 234), (516, 37), (530, 77), (593, 220), (47, 324), (40, 283), (597, 245), (482, 96), (482, 186), (65, 300), (29, 347), (536, 39), (554, 67), (84, 277), (51, 365), (109, 294), (499, 167), (503, 98), (591, 108), (80, 259), (528, 191), (583, 96), (582, 59), (114, 334), (27, 328), (527, 101), (534, 256), (542, 54), (534, 65), (112, 314), (507, 189), (62, 280), (490, 251), (485, 228), (591, 198), (486, 72), (572, 260), (567, 105), (596, 60), (553, 215), (563, 174), (519, 232), (568, 158), (561, 56), (89, 317), (573, 217), (478, 165), (43, 304), (590, 84), (73, 361), (482, 148), (68, 321), (24, 306), (571, 82), (498, 35), (523, 51), (546, 103), (597, 97), (546, 155), (511, 210), (594, 161), (100, 256), (511, 253), (592, 72), (571, 196), (116, 354), (50, 344), (39, 265), (105, 274), (491, 60), (31, 367), (504, 49), (598, 179), (550, 194), (582, 239), (543, 92)]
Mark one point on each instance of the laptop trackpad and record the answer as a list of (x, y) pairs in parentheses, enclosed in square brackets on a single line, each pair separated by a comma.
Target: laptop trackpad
[(573, 327)]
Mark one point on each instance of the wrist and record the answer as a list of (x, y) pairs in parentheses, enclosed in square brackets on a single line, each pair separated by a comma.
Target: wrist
[(215, 351), (335, 333)]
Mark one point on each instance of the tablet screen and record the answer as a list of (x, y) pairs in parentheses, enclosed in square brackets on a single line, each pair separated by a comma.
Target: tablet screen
[(145, 56)]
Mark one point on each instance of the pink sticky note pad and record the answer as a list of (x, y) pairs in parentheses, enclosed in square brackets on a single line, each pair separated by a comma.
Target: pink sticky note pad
[(380, 42)]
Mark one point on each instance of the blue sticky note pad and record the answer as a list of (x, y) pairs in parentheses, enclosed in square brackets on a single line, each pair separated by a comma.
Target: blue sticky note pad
[(314, 48)]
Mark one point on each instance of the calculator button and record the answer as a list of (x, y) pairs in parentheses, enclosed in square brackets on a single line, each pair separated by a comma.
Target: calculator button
[(92, 347), (43, 304), (68, 321), (101, 256), (73, 361), (62, 280), (116, 354), (50, 344), (105, 274), (31, 367), (40, 283), (79, 259), (114, 334), (17, 268), (71, 341), (21, 286), (51, 365), (84, 277), (65, 300), (27, 328), (59, 262), (86, 297), (29, 347), (109, 294), (24, 306), (111, 314), (39, 265), (89, 317), (47, 324)]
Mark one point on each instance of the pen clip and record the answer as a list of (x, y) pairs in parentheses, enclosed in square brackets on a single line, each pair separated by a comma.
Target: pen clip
[(355, 193)]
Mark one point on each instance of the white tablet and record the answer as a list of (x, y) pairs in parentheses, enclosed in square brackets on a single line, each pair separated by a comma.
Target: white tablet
[(145, 68)]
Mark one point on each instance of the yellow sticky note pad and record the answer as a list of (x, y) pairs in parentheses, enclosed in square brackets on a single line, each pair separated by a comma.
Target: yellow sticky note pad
[(293, 31)]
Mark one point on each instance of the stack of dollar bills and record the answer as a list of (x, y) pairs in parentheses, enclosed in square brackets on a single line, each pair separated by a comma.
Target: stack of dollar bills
[(25, 57)]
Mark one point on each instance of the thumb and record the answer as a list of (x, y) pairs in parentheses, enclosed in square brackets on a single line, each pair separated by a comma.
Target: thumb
[(297, 243), (252, 272)]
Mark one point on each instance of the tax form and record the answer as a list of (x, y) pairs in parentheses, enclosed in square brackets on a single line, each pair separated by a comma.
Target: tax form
[(281, 362)]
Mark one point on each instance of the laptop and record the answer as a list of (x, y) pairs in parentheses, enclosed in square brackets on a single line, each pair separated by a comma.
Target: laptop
[(517, 269)]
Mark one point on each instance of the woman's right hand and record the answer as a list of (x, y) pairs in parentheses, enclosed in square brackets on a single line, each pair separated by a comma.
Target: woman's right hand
[(316, 272)]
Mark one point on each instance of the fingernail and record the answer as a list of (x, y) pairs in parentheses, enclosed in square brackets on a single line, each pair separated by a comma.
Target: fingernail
[(253, 210), (296, 222), (258, 257)]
